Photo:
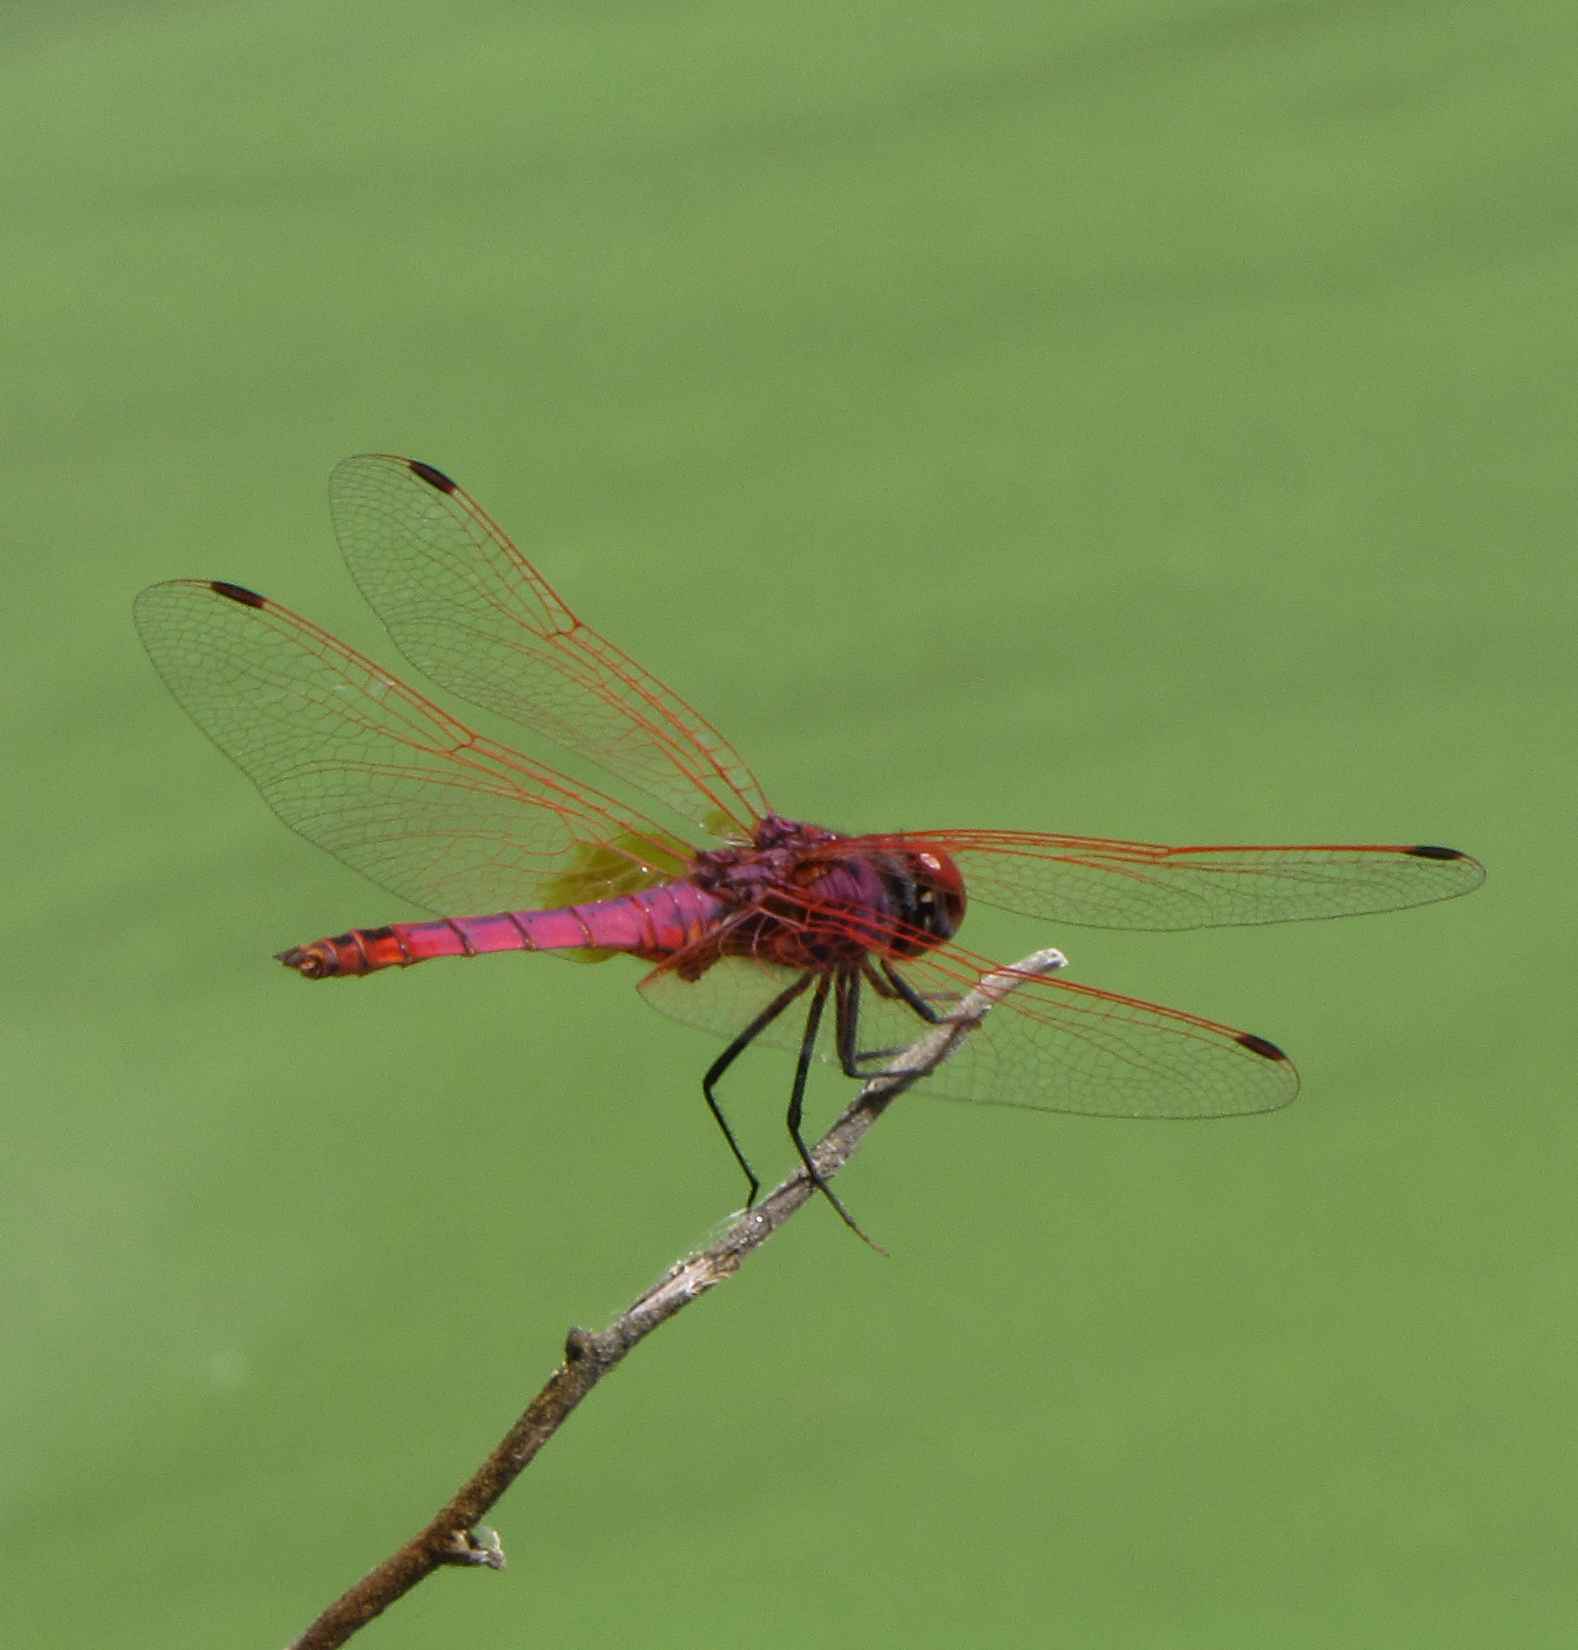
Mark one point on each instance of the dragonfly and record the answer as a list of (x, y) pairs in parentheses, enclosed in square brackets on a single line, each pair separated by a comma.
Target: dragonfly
[(755, 926)]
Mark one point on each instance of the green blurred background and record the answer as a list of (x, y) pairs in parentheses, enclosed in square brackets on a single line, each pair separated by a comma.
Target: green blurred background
[(1147, 419)]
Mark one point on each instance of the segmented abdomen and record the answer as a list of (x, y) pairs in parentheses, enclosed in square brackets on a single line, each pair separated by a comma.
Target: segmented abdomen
[(655, 922)]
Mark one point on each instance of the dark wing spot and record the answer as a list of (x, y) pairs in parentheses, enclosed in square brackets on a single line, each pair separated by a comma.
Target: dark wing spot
[(1259, 1045), (1426, 850), (237, 593), (432, 476)]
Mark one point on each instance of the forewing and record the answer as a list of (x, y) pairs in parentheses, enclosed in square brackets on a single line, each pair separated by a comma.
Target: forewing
[(369, 769), (1054, 1045), (1049, 1045), (470, 612), (1098, 882)]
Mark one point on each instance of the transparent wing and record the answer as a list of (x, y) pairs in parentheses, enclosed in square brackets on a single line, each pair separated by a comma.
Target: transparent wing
[(1050, 1045), (369, 769), (1054, 1045), (470, 612), (1098, 882)]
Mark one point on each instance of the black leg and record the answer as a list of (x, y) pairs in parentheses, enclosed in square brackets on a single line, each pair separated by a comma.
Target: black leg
[(846, 1012), (733, 1052), (813, 1021), (904, 989), (850, 1053), (891, 986), (854, 1060)]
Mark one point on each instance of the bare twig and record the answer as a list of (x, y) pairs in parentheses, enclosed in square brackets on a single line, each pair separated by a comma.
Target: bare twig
[(454, 1535)]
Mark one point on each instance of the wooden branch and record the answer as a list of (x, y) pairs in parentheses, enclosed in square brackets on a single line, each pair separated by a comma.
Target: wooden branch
[(453, 1536)]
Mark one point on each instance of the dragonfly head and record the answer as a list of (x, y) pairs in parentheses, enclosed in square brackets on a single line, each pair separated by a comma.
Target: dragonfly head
[(929, 892)]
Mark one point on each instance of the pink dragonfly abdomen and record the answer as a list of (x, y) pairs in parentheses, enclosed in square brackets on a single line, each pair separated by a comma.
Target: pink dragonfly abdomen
[(653, 923)]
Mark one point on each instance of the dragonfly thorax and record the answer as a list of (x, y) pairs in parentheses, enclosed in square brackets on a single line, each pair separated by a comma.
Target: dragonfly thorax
[(807, 901)]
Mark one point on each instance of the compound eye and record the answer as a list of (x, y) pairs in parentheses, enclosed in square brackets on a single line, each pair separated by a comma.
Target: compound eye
[(937, 870), (938, 892)]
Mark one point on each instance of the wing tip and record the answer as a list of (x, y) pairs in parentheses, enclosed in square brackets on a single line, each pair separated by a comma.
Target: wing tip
[(1263, 1046), (1469, 874), (432, 475), (237, 593)]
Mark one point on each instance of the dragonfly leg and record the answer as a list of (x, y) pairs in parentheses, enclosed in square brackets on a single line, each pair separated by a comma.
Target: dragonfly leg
[(893, 987), (732, 1053), (890, 984), (903, 989), (813, 1021), (847, 1008)]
